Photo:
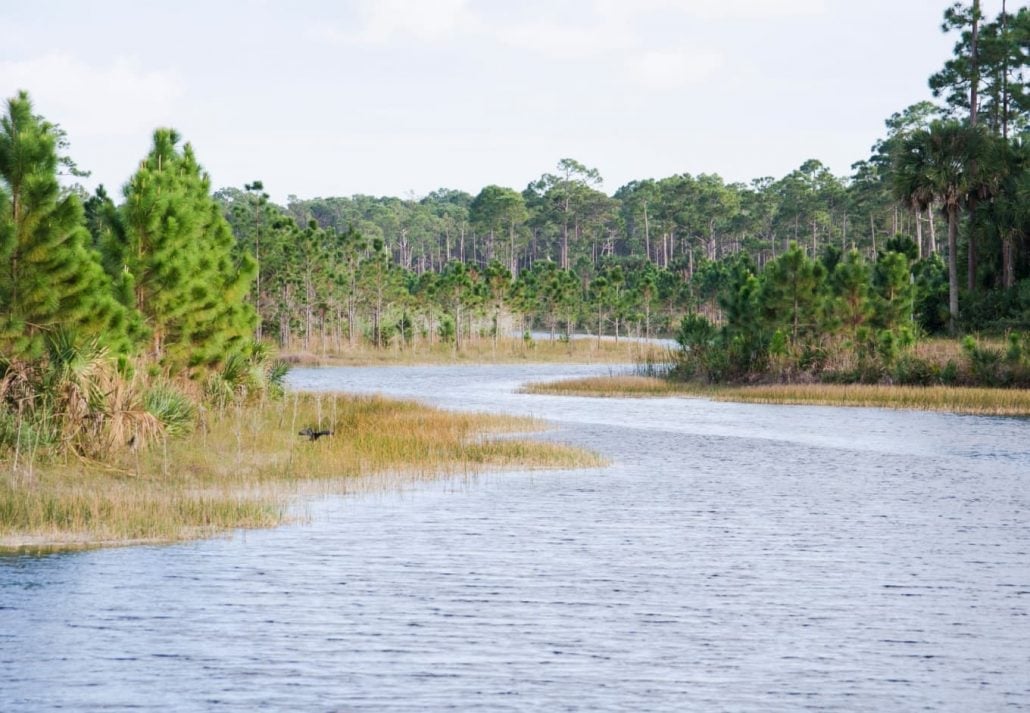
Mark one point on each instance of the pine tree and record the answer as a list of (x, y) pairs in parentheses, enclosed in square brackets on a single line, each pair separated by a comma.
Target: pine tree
[(792, 287), (851, 306), (51, 280), (895, 294), (178, 247)]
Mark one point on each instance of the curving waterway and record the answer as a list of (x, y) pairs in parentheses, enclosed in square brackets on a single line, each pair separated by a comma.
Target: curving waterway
[(732, 557)]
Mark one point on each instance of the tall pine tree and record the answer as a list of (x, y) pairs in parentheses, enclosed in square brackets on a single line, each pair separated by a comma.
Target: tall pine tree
[(50, 278), (178, 247)]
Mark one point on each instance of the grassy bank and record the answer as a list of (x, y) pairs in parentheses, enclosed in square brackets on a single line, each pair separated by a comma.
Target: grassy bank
[(1000, 402), (244, 466), (508, 350)]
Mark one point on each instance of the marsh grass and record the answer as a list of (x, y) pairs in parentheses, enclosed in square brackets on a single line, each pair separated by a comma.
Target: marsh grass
[(613, 386), (982, 401), (244, 466), (508, 350)]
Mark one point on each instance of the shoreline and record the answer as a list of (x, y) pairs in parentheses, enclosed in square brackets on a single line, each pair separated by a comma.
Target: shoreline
[(247, 468)]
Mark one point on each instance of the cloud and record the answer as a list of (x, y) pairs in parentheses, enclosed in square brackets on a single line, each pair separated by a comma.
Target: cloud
[(744, 9), (590, 29), (88, 100), (381, 22), (560, 41), (665, 70)]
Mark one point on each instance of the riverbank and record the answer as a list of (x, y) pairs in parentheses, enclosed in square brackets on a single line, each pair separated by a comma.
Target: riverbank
[(244, 467), (541, 349), (962, 400)]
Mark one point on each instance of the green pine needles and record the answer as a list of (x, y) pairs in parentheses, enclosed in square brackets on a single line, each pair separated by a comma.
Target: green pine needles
[(178, 249), (115, 320), (163, 275), (51, 278)]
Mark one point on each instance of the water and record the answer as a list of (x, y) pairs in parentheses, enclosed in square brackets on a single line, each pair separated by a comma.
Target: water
[(732, 557)]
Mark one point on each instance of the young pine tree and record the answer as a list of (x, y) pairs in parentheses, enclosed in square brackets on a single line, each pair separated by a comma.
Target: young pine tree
[(178, 248), (51, 280)]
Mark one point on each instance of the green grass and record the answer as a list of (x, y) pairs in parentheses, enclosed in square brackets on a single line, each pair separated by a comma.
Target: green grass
[(982, 401), (245, 466)]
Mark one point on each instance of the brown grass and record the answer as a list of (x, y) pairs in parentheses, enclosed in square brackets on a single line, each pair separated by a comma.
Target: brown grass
[(245, 466), (999, 402)]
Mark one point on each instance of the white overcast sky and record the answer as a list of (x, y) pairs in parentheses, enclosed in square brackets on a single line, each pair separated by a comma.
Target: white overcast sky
[(400, 97)]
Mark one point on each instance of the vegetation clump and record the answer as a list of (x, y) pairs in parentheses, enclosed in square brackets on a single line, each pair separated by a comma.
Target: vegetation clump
[(835, 320)]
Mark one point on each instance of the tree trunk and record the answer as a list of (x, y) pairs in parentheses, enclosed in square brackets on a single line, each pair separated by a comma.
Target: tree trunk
[(1004, 76), (1008, 272), (974, 65), (647, 235), (565, 245), (971, 253), (514, 267), (933, 231), (919, 233), (953, 268)]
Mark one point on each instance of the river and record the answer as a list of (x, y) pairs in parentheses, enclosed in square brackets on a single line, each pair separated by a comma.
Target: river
[(732, 557)]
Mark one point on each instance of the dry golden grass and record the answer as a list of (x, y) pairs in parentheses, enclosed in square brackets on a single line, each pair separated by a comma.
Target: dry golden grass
[(624, 386), (244, 466), (954, 399), (998, 402), (508, 350)]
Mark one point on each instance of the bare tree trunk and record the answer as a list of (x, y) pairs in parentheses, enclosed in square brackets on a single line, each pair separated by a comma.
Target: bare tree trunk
[(973, 249), (1008, 272), (564, 257), (974, 88), (919, 233), (1004, 76), (933, 230), (953, 268), (512, 257), (974, 65), (647, 235)]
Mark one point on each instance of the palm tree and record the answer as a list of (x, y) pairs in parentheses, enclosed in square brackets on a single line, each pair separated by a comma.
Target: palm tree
[(941, 163)]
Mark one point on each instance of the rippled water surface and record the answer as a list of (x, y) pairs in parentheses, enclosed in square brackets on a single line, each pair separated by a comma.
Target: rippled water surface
[(732, 557)]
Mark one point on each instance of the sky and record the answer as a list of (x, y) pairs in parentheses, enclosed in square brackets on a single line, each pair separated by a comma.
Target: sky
[(402, 97)]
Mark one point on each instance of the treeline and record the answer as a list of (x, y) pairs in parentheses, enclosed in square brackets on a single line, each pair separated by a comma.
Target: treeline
[(952, 178), (838, 318)]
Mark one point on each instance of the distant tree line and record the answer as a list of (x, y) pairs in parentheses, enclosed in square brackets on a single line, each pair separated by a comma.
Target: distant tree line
[(950, 180)]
